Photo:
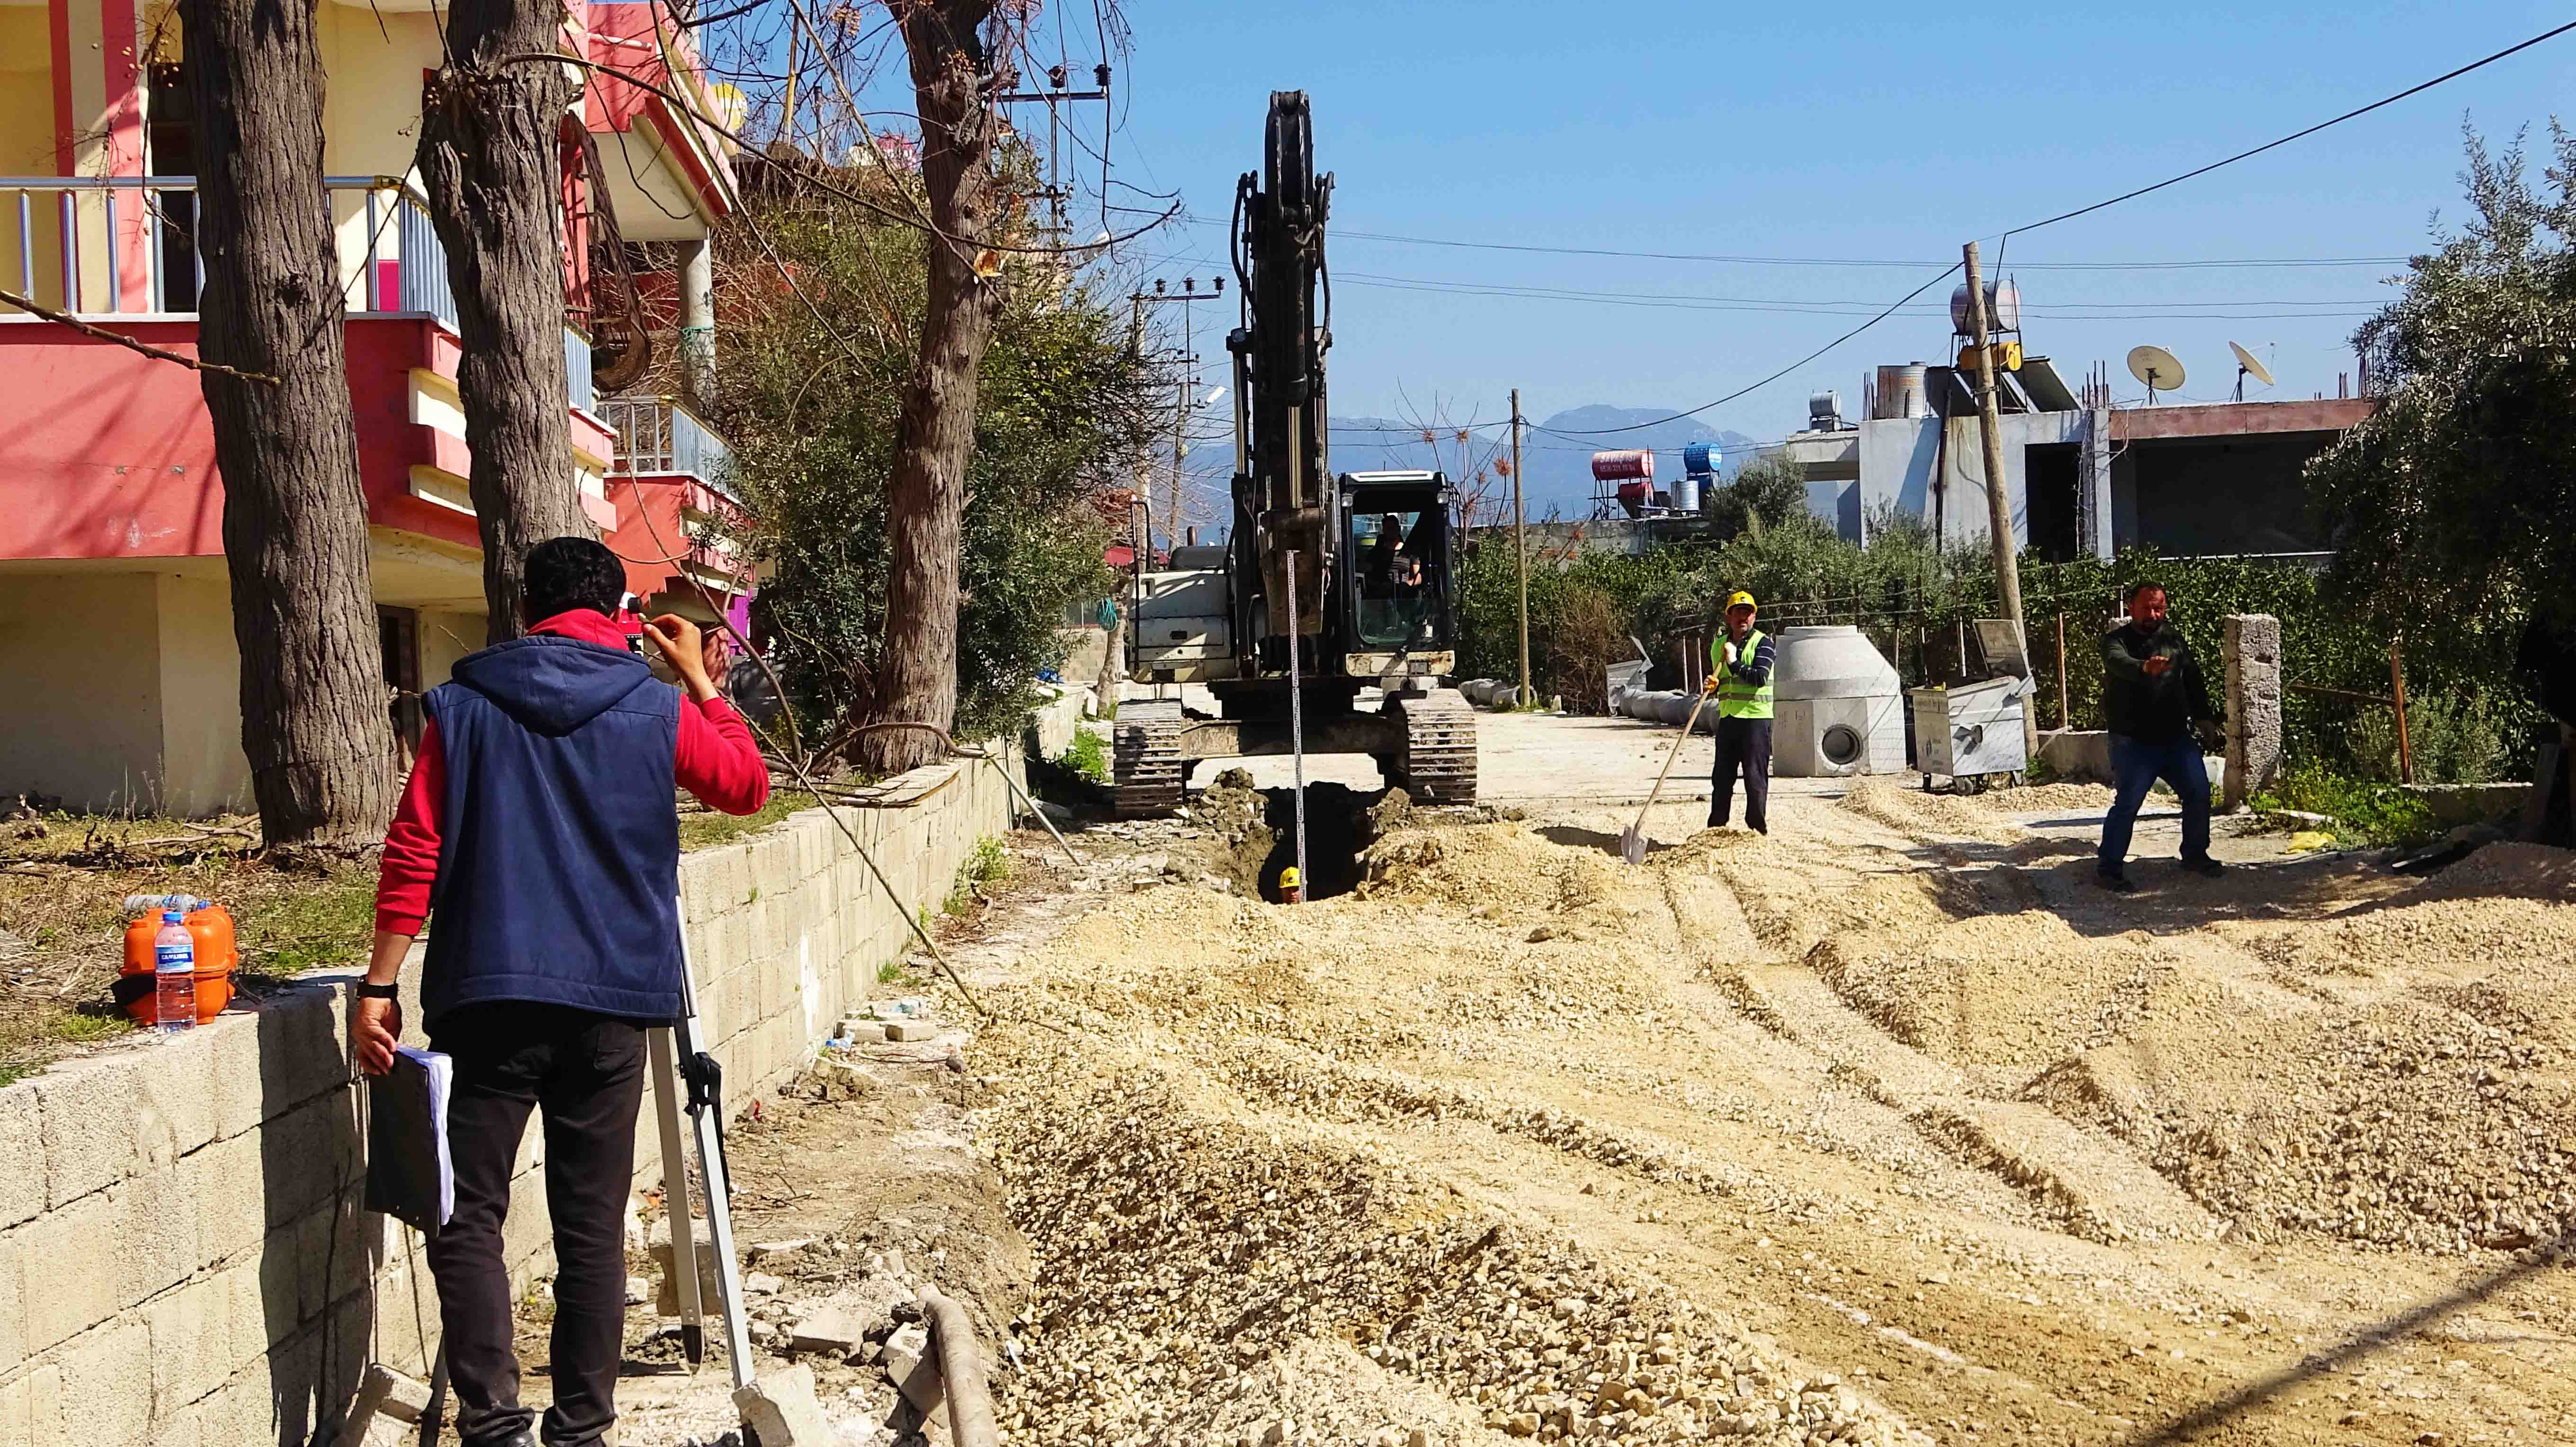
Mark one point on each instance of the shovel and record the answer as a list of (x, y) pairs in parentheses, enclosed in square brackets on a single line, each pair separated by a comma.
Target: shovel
[(1632, 840)]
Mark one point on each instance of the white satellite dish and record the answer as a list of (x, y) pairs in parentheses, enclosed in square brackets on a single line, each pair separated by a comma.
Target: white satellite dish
[(2156, 367), (2247, 366)]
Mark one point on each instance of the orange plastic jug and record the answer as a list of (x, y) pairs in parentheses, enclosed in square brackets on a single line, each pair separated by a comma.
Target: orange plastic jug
[(217, 956)]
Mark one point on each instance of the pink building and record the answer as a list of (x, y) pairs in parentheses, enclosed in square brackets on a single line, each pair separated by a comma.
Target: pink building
[(111, 569)]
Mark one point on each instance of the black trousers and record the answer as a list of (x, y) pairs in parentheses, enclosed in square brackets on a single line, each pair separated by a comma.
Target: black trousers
[(1743, 745), (585, 1073)]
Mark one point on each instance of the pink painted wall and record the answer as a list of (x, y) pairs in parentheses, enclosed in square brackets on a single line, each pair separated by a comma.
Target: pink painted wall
[(118, 461)]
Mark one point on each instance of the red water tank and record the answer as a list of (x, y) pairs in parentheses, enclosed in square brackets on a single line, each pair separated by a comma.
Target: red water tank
[(1633, 497), (1615, 466)]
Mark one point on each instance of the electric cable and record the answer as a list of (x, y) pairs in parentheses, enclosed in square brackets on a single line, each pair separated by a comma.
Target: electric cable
[(2417, 89)]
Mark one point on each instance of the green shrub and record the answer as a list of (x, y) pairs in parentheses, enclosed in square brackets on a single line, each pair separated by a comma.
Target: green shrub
[(1088, 756), (2359, 811), (2453, 739)]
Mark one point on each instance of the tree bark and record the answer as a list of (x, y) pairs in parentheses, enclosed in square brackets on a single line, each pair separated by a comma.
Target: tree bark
[(313, 700), (488, 162), (926, 495)]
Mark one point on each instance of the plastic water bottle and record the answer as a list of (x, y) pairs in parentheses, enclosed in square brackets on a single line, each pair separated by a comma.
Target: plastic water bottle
[(174, 964)]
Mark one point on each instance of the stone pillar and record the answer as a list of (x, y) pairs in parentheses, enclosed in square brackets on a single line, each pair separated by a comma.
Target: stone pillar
[(2253, 649)]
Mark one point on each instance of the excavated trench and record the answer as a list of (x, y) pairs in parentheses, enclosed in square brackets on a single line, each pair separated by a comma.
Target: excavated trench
[(1257, 832)]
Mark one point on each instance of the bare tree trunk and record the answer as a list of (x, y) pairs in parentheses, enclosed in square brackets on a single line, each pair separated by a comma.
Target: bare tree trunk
[(314, 722), (488, 161), (926, 496)]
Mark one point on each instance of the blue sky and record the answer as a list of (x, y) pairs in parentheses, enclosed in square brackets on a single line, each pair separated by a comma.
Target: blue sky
[(1871, 131)]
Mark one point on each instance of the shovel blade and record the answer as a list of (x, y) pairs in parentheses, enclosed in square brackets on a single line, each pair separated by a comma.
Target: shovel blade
[(1632, 845)]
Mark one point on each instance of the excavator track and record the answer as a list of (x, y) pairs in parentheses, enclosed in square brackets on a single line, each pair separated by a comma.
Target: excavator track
[(1438, 762), (1148, 770)]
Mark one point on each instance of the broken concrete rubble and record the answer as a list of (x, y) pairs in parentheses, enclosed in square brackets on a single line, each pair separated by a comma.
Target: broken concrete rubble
[(910, 1365), (779, 1407)]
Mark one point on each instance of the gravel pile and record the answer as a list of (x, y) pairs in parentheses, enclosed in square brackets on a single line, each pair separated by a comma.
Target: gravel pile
[(1182, 1256)]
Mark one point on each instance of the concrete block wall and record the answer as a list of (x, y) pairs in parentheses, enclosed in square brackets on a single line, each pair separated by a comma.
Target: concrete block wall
[(184, 1259)]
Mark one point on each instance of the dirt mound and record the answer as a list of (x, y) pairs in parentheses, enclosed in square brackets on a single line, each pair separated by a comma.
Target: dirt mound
[(1907, 809), (1196, 1277), (2020, 989), (1503, 867), (2530, 871), (2034, 798)]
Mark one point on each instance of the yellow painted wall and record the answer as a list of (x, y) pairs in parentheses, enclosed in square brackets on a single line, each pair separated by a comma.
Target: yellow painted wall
[(26, 92), (370, 117), (27, 145), (86, 724), (445, 638), (203, 768)]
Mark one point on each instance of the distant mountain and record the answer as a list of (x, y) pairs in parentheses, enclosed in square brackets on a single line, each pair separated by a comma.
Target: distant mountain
[(1560, 467)]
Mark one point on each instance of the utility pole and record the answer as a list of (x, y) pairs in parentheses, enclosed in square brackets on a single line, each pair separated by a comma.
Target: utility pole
[(1187, 358), (1520, 545), (1998, 504), (1054, 98)]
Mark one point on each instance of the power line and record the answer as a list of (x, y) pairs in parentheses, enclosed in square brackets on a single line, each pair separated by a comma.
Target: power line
[(2213, 263), (1775, 376), (2066, 311), (2096, 206), (2297, 135)]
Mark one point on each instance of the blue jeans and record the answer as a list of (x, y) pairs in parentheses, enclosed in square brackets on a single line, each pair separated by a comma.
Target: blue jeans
[(2135, 767)]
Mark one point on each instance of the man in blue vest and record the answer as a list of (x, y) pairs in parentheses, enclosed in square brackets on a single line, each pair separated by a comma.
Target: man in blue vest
[(2157, 705), (538, 828), (1739, 673)]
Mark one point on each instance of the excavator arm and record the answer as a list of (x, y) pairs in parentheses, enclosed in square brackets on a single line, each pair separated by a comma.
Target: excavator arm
[(1283, 498)]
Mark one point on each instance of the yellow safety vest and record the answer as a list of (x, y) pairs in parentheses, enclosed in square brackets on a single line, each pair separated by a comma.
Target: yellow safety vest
[(1735, 697)]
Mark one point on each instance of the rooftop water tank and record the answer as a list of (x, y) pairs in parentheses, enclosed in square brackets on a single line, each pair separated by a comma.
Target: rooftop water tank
[(1620, 466), (1700, 459), (1686, 493), (2003, 307), (1839, 706), (1900, 392)]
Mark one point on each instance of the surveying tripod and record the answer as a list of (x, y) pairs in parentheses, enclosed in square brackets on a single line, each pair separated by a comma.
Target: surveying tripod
[(688, 1079)]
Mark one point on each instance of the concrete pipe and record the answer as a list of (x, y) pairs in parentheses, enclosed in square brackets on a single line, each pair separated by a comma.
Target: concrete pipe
[(961, 1373)]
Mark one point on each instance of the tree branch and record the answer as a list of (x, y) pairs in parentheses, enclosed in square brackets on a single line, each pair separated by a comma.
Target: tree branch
[(38, 309)]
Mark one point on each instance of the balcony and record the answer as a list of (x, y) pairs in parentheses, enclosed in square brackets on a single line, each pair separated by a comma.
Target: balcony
[(659, 436), (122, 252), (125, 247), (672, 485)]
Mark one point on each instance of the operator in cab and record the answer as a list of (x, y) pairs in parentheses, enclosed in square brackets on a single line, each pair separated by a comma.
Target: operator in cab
[(1739, 673)]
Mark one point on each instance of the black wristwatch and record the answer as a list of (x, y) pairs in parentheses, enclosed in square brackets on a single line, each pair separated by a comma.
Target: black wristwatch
[(368, 991)]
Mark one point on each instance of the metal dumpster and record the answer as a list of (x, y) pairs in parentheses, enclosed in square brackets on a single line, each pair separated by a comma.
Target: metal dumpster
[(1969, 733)]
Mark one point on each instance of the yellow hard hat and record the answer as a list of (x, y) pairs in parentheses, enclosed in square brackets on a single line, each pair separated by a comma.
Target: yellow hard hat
[(1738, 599), (1288, 877)]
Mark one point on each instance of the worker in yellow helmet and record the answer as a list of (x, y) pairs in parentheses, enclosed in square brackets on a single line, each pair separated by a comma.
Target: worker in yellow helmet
[(1739, 673), (1290, 891)]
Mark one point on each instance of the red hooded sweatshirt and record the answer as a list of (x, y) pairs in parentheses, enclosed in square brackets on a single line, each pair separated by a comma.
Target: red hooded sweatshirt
[(715, 759)]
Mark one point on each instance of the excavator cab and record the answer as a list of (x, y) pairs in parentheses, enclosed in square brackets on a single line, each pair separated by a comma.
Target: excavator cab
[(1399, 615)]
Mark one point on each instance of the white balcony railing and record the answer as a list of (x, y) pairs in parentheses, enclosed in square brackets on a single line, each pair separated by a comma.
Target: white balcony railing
[(127, 246), (658, 435)]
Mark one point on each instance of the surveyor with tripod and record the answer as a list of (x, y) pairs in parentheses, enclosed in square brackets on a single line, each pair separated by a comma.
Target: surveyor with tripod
[(538, 828)]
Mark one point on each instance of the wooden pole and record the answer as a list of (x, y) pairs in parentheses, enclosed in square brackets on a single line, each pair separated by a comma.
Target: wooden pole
[(1520, 547), (1998, 504), (2397, 695), (2063, 715)]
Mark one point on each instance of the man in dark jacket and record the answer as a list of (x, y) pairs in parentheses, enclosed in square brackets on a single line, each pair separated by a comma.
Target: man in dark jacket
[(2160, 715), (537, 826)]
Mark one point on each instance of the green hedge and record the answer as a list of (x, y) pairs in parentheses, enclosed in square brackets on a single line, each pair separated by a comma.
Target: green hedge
[(1913, 599)]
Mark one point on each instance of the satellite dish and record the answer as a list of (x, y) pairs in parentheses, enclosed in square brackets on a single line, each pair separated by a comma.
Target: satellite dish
[(2246, 367), (2157, 368)]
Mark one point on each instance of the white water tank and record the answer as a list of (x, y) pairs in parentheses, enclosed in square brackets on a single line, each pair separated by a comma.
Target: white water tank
[(1838, 705)]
